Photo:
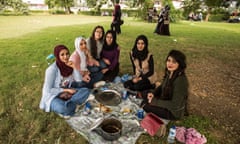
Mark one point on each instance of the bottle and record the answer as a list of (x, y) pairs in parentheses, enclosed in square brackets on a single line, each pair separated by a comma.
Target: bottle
[(87, 108), (171, 135), (50, 59), (124, 95)]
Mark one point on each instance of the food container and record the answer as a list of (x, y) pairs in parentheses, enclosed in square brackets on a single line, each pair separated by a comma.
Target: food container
[(109, 128)]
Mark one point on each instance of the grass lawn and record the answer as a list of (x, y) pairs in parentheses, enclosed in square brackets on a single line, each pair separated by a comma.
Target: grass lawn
[(25, 41)]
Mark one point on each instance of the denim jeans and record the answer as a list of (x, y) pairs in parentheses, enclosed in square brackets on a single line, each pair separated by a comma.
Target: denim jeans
[(94, 69), (95, 73), (67, 108), (79, 84)]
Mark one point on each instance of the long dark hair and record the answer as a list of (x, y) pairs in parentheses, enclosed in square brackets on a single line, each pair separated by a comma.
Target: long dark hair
[(141, 55), (114, 41), (93, 42), (181, 60)]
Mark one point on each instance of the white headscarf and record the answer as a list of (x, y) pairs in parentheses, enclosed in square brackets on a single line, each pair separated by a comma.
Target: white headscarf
[(83, 63)]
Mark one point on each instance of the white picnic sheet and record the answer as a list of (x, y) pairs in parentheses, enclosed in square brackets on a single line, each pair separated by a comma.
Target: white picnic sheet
[(131, 129)]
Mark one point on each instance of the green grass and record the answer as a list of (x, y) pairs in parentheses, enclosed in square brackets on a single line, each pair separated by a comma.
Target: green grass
[(25, 41)]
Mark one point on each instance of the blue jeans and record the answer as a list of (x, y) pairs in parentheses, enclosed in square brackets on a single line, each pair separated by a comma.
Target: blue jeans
[(94, 69), (67, 108), (95, 73)]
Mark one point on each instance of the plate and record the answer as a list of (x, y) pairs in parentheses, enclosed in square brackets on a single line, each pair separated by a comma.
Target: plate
[(108, 97)]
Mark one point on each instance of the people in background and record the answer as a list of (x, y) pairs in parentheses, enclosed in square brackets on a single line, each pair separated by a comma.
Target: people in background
[(144, 77), (162, 27), (110, 55), (169, 100), (117, 22), (57, 94)]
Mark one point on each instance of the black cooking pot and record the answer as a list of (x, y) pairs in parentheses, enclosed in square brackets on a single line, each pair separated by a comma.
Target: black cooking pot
[(110, 129)]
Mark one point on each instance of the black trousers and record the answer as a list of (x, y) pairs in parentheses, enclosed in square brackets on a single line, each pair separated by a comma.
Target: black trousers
[(139, 86), (115, 26), (159, 111)]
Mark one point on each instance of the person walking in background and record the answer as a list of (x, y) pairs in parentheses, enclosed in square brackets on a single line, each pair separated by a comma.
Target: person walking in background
[(144, 77), (110, 55), (169, 100), (57, 94), (162, 27), (117, 22)]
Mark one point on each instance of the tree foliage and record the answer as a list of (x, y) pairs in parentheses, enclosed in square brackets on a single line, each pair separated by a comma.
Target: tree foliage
[(66, 4), (190, 6), (16, 5), (91, 3)]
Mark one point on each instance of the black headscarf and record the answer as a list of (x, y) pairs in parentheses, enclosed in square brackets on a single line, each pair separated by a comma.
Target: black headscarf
[(141, 55)]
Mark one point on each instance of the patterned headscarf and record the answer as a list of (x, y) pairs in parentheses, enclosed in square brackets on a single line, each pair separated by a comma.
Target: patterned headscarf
[(64, 69)]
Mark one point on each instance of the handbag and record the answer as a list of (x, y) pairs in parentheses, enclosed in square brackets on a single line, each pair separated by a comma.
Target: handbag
[(166, 22), (121, 22), (153, 125)]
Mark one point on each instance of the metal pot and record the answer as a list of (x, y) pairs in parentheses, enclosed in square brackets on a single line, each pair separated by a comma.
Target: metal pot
[(110, 129)]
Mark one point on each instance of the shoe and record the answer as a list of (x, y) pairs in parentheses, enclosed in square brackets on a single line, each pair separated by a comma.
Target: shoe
[(90, 97), (64, 116)]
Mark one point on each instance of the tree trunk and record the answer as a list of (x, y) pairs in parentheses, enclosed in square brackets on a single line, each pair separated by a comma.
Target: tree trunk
[(208, 14), (67, 10)]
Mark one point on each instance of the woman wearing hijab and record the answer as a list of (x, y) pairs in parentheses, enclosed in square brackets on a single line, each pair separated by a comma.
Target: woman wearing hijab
[(143, 66), (57, 94), (82, 60), (110, 55), (116, 23)]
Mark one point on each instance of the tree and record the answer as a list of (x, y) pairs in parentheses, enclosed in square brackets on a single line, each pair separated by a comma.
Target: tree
[(16, 5), (144, 6), (91, 3), (66, 4), (190, 6), (212, 4)]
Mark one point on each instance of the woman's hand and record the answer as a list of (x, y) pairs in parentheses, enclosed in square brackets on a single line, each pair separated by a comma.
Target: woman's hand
[(71, 91), (86, 78), (136, 79), (70, 64), (106, 61), (67, 94), (104, 70), (96, 63), (150, 97)]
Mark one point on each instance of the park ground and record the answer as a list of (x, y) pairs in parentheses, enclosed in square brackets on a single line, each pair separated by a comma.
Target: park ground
[(214, 84)]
